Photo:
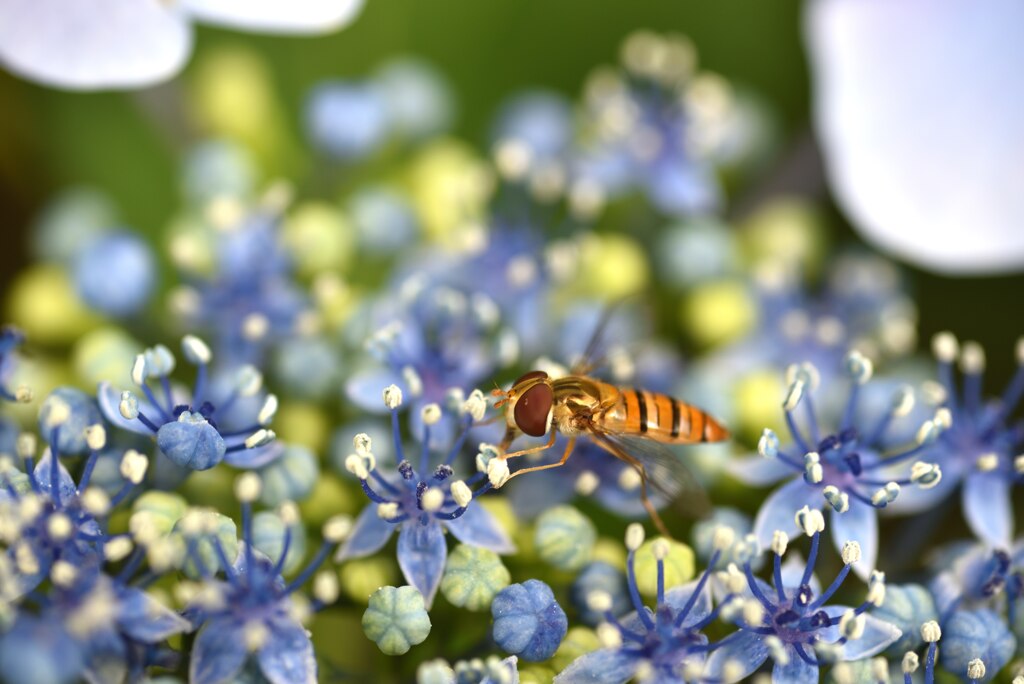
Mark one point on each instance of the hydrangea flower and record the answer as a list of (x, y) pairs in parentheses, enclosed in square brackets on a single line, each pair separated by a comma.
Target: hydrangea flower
[(187, 425), (657, 126), (667, 643), (251, 614), (423, 501), (117, 45), (790, 620), (848, 469), (48, 518), (981, 446), (978, 576), (115, 273), (237, 278)]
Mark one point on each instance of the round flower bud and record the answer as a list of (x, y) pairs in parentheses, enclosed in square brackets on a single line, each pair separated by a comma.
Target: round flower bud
[(472, 577), (565, 538), (396, 619), (528, 621)]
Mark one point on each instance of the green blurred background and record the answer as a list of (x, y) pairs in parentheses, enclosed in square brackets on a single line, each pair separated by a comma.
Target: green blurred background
[(129, 144)]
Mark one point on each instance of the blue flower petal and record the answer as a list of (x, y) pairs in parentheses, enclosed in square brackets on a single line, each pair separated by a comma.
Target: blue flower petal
[(878, 635), (257, 457), (988, 508), (758, 471), (39, 650), (145, 619), (218, 653), (365, 388), (421, 555), (368, 535), (43, 473), (747, 649), (796, 670), (195, 445), (287, 657), (859, 524), (606, 666), (477, 527), (677, 597), (109, 400), (778, 512)]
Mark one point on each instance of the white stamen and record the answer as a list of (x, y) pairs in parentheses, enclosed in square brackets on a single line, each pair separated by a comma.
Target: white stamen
[(599, 601), (851, 552), (128, 406), (25, 559), (810, 521), (879, 668), (1018, 464), (25, 445), (925, 475), (248, 380), (734, 580), (392, 397), (57, 412), (972, 358), (255, 326), (778, 652), (910, 662), (362, 443), (780, 541), (289, 513), (261, 437), (59, 527), (95, 437), (338, 527), (95, 502), (902, 401), (485, 454), (852, 625), (195, 350), (475, 405), (133, 466), (497, 472), (838, 500), (753, 612), (608, 635), (931, 632), (412, 381), (876, 589), (768, 444), (117, 549), (512, 159), (933, 393), (976, 669), (629, 479), (587, 482), (660, 549), (732, 671), (813, 472), (461, 492), (521, 271), (943, 418), (723, 538), (255, 635), (431, 414), (634, 536), (945, 347), (160, 361), (432, 499), (248, 487), (986, 463), (23, 394), (793, 396), (859, 367), (387, 511), (325, 586), (268, 410), (63, 573), (139, 370)]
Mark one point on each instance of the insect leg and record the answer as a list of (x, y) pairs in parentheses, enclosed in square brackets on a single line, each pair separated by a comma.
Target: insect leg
[(533, 450), (644, 498), (565, 457)]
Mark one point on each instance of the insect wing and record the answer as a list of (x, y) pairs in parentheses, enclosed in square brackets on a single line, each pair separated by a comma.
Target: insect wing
[(663, 470)]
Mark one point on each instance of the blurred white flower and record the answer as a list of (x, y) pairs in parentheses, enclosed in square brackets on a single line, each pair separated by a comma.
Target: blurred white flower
[(103, 44), (919, 105)]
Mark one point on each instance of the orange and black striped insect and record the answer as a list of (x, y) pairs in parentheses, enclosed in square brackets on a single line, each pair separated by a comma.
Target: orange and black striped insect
[(631, 424)]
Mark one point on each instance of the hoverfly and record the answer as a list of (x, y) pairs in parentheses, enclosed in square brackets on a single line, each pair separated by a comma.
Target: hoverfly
[(631, 424)]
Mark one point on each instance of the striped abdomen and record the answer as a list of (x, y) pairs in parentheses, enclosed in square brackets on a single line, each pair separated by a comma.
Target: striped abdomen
[(661, 418)]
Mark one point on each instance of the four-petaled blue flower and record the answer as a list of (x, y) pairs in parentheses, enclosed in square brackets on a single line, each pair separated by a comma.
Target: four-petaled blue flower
[(192, 431), (848, 469), (422, 502)]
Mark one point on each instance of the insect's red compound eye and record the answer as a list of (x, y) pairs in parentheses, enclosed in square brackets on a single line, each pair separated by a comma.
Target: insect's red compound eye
[(532, 375), (532, 409)]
